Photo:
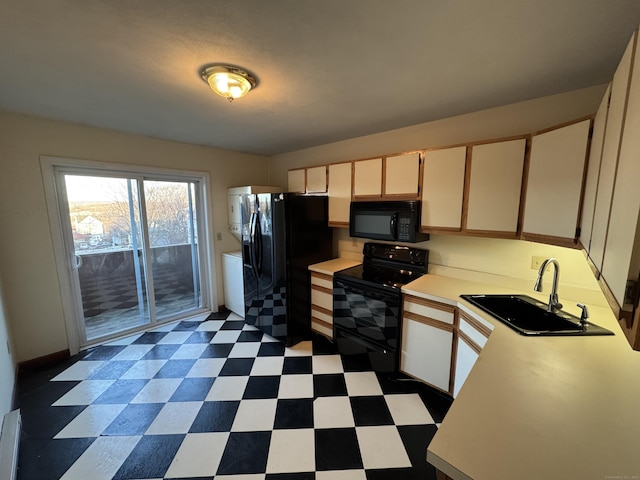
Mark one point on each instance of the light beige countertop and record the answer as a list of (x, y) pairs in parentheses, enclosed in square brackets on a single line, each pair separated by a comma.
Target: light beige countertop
[(540, 408), (331, 266)]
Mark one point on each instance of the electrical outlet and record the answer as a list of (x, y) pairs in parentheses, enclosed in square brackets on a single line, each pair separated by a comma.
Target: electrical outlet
[(218, 236), (536, 261)]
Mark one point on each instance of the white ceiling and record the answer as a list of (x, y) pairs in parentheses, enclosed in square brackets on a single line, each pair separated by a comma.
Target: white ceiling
[(327, 69)]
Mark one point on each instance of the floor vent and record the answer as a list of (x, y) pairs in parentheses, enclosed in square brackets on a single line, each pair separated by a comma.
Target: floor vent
[(9, 440)]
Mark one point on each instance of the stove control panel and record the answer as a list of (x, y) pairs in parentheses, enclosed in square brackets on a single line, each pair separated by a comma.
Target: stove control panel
[(395, 253)]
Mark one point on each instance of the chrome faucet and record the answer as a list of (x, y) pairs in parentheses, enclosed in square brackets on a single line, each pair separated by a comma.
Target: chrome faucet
[(554, 303)]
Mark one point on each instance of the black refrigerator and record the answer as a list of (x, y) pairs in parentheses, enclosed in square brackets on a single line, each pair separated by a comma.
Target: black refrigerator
[(282, 234)]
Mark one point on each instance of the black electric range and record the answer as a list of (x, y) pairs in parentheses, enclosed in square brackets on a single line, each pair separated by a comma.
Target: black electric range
[(367, 304)]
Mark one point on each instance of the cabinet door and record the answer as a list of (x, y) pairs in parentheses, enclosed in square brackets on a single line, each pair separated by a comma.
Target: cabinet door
[(443, 188), (233, 283), (554, 185), (622, 251), (367, 178), (297, 181), (472, 337), (339, 194), (593, 171), (610, 152), (495, 183), (402, 175), (427, 341), (466, 356), (317, 179)]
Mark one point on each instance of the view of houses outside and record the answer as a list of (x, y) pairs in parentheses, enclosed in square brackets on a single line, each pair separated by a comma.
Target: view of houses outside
[(105, 222)]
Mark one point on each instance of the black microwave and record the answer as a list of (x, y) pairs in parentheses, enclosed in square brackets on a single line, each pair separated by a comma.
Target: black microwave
[(396, 221)]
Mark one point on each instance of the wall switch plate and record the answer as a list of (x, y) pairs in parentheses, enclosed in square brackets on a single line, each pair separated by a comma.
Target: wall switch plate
[(218, 236), (536, 261)]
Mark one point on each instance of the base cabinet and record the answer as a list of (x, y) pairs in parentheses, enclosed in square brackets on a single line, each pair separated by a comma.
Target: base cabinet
[(427, 340), (322, 304), (472, 335)]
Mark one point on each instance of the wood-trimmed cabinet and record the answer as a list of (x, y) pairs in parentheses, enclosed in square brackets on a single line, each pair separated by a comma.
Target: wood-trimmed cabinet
[(593, 171), (554, 183), (494, 184), (402, 176), (427, 341), (322, 304), (390, 177), (472, 335), (307, 180), (367, 179), (297, 180), (474, 189), (443, 189), (621, 263), (617, 104), (340, 186), (440, 343)]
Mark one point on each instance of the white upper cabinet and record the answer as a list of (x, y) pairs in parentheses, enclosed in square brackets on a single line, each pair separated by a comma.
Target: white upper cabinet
[(367, 178), (443, 188), (622, 250), (593, 171), (402, 175), (339, 193), (554, 185), (297, 181), (308, 180), (317, 179), (494, 187), (610, 153)]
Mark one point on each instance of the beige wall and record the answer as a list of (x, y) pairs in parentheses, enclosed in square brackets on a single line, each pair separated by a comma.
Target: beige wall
[(31, 289), (499, 261), (7, 365)]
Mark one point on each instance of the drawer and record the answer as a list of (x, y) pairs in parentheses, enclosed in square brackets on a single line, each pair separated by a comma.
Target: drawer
[(426, 308), (473, 329), (322, 321), (321, 328), (322, 280), (322, 298)]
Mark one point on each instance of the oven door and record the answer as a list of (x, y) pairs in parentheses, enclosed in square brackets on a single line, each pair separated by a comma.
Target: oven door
[(368, 312)]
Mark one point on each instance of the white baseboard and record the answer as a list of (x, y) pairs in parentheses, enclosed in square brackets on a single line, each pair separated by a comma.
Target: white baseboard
[(9, 441)]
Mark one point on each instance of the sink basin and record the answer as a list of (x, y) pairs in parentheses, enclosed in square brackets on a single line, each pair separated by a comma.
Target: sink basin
[(528, 316)]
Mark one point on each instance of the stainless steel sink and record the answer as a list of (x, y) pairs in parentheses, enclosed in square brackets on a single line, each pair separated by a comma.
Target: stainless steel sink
[(528, 316)]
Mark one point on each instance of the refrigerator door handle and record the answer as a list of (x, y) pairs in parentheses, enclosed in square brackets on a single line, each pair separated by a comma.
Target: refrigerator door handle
[(258, 242), (252, 243)]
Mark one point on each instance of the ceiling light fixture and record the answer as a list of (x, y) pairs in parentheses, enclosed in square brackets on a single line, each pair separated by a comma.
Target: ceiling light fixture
[(228, 81)]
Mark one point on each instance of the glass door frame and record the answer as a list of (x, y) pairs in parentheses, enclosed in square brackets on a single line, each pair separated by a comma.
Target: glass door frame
[(54, 169)]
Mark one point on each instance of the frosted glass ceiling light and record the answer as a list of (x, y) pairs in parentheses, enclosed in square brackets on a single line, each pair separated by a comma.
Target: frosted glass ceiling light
[(228, 81)]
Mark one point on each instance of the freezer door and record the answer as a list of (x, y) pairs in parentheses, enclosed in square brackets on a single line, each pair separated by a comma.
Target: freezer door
[(249, 267)]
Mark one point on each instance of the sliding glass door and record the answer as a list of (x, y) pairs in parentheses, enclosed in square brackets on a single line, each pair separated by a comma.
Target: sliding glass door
[(133, 247)]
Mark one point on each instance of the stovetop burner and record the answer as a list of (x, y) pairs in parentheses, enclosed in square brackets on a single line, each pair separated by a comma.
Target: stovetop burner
[(389, 266)]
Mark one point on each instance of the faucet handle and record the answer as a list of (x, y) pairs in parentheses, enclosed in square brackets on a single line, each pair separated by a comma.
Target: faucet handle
[(584, 315)]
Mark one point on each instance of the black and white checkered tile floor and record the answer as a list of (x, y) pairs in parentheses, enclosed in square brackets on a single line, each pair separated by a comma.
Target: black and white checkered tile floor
[(216, 398)]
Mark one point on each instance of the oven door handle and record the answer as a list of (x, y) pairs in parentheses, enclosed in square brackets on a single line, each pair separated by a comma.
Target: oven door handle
[(393, 225), (362, 342)]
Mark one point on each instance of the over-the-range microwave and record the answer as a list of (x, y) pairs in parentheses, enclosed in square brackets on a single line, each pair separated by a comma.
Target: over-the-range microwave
[(397, 221)]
